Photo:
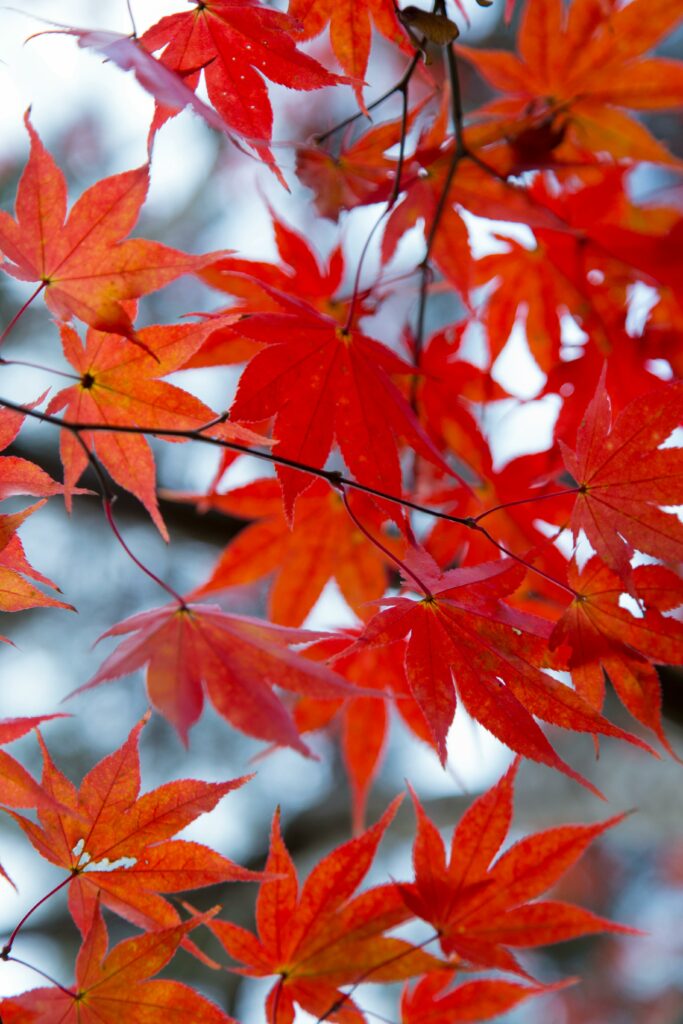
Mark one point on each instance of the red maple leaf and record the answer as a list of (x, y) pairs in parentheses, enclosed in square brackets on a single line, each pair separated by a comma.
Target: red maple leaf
[(625, 476), (604, 635), (465, 640), (480, 908), (237, 659), (235, 43), (323, 383)]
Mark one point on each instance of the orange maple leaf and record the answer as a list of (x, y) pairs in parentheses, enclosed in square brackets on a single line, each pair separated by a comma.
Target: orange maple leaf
[(323, 543), (433, 1001), (116, 845), (119, 385), (84, 267), (114, 988), (578, 66), (350, 30)]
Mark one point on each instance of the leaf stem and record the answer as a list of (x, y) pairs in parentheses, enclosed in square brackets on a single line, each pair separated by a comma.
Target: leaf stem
[(109, 514), (17, 316), (43, 974), (7, 948), (345, 996), (524, 501), (385, 550)]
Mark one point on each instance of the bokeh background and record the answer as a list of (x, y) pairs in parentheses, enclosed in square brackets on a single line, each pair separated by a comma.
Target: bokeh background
[(205, 195)]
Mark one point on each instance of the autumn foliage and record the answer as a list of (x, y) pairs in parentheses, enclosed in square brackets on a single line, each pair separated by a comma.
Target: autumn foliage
[(517, 593)]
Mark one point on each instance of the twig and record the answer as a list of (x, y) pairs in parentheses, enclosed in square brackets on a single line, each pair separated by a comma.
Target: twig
[(399, 87), (333, 477)]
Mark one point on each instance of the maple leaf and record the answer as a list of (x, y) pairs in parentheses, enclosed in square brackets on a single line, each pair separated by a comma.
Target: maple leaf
[(350, 30), (113, 988), (604, 635), (322, 937), (119, 385), (324, 543), (625, 476), (464, 639), (235, 43), (579, 66), (321, 382), (480, 908), (14, 728), (84, 267), (116, 844), (19, 476), (236, 658), (430, 1002)]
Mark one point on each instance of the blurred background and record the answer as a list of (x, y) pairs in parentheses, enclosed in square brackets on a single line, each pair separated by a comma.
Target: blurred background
[(205, 195)]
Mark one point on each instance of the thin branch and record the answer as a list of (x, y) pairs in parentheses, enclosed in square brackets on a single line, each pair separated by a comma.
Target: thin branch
[(459, 151), (132, 19), (522, 561), (333, 477), (395, 192), (108, 499), (399, 87), (524, 501), (38, 366)]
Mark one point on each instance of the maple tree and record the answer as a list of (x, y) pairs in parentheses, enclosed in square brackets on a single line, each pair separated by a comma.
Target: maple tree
[(512, 591)]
